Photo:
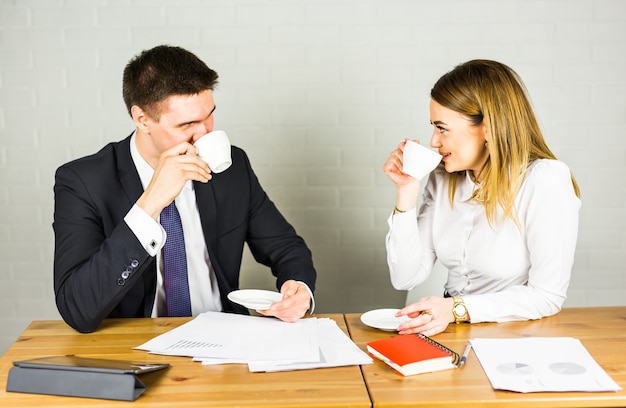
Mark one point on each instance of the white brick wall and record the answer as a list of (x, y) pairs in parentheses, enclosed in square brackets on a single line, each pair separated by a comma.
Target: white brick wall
[(318, 92)]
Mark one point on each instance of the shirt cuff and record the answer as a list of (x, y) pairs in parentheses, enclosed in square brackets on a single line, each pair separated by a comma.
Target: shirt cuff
[(312, 307), (398, 220), (150, 233)]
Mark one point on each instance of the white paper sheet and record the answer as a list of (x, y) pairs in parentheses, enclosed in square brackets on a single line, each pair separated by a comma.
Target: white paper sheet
[(336, 350), (240, 338), (535, 364)]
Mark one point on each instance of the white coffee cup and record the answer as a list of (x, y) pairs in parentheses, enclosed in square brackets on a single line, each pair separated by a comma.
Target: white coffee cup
[(214, 148), (418, 161)]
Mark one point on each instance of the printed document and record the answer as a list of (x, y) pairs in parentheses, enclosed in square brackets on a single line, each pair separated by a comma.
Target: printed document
[(232, 336), (264, 343), (336, 349), (536, 364)]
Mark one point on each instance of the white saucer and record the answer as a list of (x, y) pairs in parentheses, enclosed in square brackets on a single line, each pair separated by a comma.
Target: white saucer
[(383, 319), (256, 299)]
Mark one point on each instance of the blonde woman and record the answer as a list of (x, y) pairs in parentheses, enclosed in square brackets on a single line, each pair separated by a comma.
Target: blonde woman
[(500, 212)]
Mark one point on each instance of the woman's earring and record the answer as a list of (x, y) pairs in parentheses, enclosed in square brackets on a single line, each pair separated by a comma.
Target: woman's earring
[(486, 145)]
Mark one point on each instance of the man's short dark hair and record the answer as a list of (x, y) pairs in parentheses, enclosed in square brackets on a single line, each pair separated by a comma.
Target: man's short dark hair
[(155, 74)]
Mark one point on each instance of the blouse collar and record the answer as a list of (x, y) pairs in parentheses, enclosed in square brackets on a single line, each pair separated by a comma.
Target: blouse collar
[(466, 187)]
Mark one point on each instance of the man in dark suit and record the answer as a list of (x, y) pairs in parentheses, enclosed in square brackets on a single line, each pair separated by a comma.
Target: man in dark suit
[(108, 240)]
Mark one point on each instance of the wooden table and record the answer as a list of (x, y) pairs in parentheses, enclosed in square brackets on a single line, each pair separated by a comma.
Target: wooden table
[(602, 330), (186, 383), (190, 384)]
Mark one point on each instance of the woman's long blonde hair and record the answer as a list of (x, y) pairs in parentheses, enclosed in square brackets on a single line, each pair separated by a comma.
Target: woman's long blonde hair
[(491, 92)]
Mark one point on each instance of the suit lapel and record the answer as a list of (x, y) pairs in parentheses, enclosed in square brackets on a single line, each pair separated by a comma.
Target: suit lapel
[(127, 171), (205, 199)]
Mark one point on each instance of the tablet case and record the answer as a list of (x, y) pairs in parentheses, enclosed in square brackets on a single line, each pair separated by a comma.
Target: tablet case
[(75, 382)]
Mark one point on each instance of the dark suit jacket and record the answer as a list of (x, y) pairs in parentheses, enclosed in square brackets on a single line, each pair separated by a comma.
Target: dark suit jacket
[(94, 246)]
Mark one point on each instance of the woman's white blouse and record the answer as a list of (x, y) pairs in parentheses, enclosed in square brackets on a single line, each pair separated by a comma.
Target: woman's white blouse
[(503, 272)]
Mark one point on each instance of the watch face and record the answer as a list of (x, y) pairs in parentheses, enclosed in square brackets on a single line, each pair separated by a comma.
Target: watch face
[(460, 310)]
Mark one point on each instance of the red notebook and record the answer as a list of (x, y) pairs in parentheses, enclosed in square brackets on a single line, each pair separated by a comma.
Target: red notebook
[(413, 354)]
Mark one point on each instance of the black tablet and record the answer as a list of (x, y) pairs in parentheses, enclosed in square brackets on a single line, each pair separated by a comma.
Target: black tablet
[(90, 364)]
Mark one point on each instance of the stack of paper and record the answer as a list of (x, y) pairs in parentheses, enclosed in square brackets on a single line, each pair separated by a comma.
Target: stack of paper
[(265, 344)]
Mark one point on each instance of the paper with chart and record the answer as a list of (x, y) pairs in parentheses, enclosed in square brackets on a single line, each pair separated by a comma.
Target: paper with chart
[(246, 338), (264, 343), (539, 364)]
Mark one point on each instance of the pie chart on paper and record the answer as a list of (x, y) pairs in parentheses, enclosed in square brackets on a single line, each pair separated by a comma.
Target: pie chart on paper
[(515, 368), (567, 368)]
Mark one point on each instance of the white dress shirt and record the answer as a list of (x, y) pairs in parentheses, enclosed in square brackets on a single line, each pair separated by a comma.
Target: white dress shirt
[(203, 288), (502, 272)]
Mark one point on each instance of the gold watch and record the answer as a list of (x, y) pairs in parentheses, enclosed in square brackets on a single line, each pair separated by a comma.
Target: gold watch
[(459, 310)]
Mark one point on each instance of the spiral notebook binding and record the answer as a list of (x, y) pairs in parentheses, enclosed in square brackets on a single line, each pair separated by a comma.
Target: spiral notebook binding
[(455, 355)]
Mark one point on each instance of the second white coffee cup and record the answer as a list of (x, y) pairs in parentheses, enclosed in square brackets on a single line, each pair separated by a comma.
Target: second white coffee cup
[(214, 149)]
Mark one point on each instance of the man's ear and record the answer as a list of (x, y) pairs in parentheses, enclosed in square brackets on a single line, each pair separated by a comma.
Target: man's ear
[(140, 117)]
